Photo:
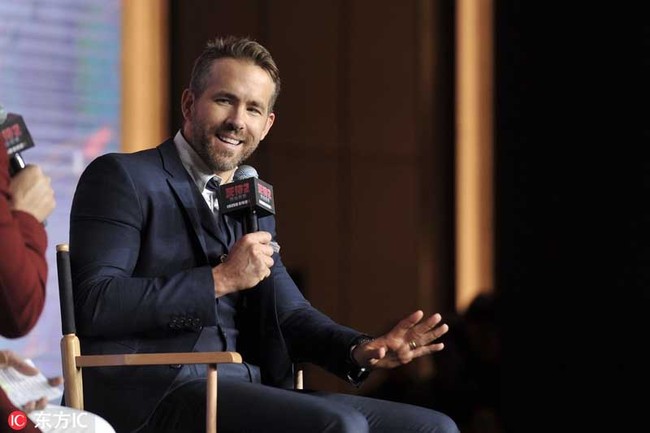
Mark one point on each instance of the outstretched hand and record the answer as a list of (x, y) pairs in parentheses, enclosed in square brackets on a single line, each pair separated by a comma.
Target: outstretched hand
[(411, 338)]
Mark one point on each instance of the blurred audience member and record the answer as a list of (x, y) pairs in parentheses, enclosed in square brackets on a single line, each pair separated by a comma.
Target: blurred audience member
[(467, 377)]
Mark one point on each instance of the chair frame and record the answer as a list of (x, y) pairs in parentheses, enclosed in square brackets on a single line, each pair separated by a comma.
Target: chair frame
[(73, 361)]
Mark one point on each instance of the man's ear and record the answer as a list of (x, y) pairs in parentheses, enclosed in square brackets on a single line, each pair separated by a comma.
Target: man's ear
[(187, 104), (267, 127)]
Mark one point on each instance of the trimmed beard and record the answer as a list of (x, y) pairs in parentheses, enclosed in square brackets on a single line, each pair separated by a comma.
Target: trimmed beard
[(219, 161)]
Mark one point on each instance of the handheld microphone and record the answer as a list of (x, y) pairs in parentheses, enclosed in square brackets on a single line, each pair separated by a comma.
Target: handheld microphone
[(247, 197), (16, 138)]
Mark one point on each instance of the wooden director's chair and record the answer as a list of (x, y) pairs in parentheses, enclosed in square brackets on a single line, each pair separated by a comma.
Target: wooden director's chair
[(73, 361)]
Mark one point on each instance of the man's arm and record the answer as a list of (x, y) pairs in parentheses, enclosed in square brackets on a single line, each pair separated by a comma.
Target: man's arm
[(117, 290), (23, 269), (310, 335)]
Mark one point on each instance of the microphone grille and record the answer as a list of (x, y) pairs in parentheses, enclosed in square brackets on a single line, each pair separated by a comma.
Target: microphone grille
[(245, 172)]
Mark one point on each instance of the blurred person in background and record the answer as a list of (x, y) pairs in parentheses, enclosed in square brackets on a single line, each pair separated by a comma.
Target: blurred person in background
[(468, 373), (25, 202)]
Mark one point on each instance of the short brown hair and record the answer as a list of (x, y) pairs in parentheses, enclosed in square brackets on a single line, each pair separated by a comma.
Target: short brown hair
[(236, 48)]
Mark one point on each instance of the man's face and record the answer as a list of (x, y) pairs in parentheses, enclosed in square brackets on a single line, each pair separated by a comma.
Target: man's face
[(226, 122)]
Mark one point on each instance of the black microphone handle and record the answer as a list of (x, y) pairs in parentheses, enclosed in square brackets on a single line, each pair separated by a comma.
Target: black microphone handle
[(16, 163), (250, 221)]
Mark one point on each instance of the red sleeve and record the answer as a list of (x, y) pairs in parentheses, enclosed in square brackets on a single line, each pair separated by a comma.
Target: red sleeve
[(23, 268), (6, 408)]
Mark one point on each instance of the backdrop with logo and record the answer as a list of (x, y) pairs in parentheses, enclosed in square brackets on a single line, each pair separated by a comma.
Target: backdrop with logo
[(60, 69)]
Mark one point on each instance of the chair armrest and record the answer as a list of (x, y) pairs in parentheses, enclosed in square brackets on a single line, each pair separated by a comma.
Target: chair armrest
[(158, 359)]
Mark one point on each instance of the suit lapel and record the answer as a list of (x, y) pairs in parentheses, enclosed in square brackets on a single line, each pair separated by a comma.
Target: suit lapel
[(186, 192)]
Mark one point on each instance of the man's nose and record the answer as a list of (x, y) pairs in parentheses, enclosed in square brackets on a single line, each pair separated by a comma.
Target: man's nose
[(235, 120)]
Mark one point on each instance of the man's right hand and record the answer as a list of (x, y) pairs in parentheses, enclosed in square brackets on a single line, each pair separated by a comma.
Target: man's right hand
[(248, 262), (32, 193)]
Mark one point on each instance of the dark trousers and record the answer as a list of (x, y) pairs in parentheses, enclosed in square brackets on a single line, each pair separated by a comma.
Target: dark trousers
[(245, 407)]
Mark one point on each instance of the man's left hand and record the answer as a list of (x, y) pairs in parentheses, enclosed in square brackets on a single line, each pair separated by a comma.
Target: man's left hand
[(411, 338)]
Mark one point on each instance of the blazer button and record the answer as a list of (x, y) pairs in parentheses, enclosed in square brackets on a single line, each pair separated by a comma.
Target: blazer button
[(175, 366)]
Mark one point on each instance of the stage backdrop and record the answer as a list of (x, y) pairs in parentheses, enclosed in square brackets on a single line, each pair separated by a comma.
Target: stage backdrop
[(59, 68)]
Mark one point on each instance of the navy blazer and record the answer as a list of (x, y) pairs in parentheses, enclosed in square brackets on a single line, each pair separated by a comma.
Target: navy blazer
[(142, 245)]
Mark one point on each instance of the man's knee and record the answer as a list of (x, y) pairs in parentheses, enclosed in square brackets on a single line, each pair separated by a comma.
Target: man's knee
[(442, 423), (422, 420), (349, 421)]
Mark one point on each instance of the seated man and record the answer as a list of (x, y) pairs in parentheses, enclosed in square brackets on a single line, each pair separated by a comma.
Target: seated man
[(157, 268)]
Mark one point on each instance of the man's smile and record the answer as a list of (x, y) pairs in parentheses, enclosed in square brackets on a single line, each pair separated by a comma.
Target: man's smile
[(229, 140)]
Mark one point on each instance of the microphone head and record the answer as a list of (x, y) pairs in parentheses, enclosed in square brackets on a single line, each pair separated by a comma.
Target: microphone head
[(246, 193), (244, 172)]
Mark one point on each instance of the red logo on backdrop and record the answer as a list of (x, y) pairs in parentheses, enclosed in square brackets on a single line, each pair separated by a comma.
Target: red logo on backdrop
[(17, 420)]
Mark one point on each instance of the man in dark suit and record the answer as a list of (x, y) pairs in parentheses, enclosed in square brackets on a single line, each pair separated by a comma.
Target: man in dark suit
[(157, 268)]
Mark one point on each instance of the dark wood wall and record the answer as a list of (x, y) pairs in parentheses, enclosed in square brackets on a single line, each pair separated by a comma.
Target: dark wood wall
[(361, 159), (361, 153)]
